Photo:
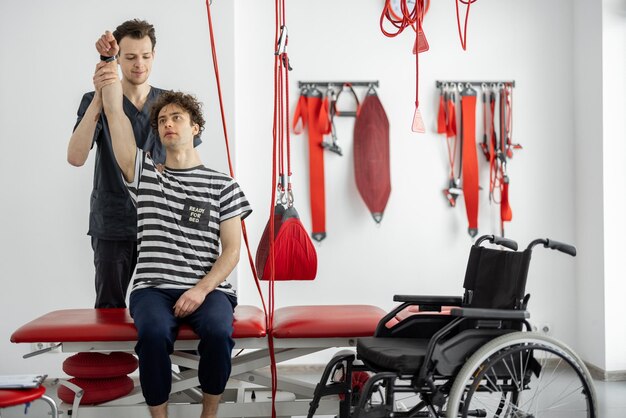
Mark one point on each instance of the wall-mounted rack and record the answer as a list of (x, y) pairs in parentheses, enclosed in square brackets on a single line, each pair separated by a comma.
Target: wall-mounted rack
[(477, 83), (302, 84)]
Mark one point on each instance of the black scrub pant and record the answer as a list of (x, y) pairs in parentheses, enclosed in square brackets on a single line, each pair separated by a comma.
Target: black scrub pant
[(115, 263)]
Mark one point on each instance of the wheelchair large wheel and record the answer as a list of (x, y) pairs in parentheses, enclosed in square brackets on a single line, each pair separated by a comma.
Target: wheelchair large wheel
[(523, 375)]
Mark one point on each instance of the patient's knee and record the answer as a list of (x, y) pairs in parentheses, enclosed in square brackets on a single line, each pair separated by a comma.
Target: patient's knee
[(215, 332), (156, 336)]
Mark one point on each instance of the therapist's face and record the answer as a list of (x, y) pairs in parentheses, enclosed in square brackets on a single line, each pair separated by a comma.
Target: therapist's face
[(135, 59)]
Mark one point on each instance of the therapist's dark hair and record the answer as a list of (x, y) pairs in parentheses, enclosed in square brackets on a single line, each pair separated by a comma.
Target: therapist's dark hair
[(185, 101), (136, 29)]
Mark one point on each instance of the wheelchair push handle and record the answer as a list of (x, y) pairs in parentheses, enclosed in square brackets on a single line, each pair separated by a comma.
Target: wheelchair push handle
[(554, 245), (494, 239)]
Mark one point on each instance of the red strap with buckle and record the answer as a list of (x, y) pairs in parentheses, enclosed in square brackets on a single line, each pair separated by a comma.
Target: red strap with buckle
[(316, 170), (470, 160)]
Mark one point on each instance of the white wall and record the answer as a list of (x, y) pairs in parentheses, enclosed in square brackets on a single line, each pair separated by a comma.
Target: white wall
[(599, 68), (589, 223), (421, 246), (614, 148)]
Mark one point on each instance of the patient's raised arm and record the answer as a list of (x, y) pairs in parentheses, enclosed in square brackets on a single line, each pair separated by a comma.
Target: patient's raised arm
[(122, 136)]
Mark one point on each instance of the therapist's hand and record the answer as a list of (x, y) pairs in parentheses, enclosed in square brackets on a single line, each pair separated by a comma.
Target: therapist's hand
[(188, 302), (105, 74)]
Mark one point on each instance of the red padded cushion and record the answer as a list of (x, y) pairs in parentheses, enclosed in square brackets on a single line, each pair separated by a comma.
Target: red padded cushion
[(263, 250), (100, 365), (371, 155), (12, 397), (97, 390), (296, 258), (326, 321), (115, 324)]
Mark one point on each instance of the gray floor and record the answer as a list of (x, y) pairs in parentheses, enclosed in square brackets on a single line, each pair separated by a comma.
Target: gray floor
[(611, 401)]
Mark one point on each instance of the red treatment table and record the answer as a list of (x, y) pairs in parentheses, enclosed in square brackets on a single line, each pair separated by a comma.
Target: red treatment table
[(298, 331)]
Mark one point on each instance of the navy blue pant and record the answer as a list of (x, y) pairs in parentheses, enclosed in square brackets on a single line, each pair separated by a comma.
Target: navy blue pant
[(114, 262), (153, 313)]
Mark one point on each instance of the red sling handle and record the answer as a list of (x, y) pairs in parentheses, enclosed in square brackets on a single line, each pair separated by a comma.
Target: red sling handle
[(300, 115), (347, 87)]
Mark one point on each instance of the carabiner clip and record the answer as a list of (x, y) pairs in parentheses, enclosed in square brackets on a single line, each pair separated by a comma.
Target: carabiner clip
[(281, 48), (289, 198)]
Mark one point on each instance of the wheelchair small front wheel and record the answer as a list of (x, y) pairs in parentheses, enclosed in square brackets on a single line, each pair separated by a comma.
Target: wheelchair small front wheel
[(523, 375)]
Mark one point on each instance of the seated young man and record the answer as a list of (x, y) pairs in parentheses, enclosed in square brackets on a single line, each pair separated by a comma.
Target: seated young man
[(184, 213)]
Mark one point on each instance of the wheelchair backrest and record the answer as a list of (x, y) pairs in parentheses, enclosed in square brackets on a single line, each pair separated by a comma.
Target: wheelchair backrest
[(496, 279)]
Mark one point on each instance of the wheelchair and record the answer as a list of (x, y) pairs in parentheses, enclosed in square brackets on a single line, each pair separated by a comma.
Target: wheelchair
[(469, 356)]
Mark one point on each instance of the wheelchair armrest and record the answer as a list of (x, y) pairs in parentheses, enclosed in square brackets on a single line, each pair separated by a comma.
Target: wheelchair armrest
[(429, 300), (427, 304), (475, 313)]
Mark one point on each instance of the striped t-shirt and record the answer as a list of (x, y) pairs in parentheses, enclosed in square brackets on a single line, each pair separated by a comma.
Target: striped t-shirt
[(178, 222)]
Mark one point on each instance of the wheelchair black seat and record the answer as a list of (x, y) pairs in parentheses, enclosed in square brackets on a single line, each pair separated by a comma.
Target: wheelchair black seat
[(400, 355)]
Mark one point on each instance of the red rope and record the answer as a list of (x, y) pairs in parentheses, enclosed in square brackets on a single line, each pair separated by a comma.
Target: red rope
[(230, 166), (463, 37)]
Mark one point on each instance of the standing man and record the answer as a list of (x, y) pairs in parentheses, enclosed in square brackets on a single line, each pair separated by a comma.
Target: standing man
[(112, 217), (186, 213)]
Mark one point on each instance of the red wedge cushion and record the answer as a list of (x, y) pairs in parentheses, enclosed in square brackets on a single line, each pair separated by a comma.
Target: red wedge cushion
[(100, 365), (97, 390)]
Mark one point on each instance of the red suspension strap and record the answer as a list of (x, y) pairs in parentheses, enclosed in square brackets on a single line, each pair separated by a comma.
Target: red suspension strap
[(230, 165), (470, 159), (280, 134)]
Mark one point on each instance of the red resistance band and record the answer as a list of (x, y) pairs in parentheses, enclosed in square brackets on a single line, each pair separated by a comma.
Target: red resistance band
[(308, 114), (470, 158), (500, 150), (506, 151)]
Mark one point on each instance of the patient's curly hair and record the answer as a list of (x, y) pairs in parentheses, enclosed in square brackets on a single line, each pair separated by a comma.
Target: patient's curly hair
[(186, 102)]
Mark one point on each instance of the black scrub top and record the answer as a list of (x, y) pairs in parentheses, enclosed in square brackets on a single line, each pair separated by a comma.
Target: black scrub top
[(112, 215)]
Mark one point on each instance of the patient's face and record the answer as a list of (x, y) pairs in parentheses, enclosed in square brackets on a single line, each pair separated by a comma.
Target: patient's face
[(175, 127)]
